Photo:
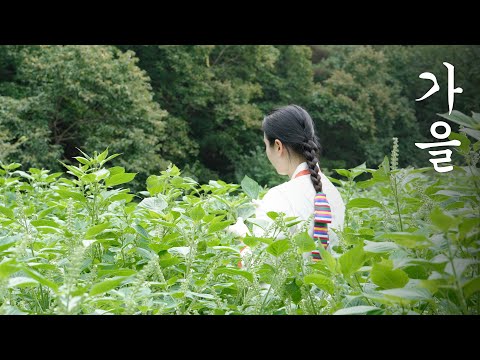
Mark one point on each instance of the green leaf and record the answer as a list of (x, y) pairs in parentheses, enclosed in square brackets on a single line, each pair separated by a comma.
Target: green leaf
[(7, 268), (293, 290), (7, 212), (155, 204), (357, 310), (103, 155), (407, 239), (320, 281), (253, 241), (441, 220), (197, 213), (142, 232), (473, 133), (304, 242), (169, 261), (44, 222), (88, 178), (218, 226), (272, 215), (82, 160), (234, 272), (278, 247), (40, 278), (465, 142), (226, 249), (408, 293), (8, 241), (107, 285), (250, 187), (117, 170), (343, 172), (471, 287), (66, 194), (118, 179), (21, 281), (328, 259), (384, 276), (94, 230), (467, 225), (379, 247), (363, 203), (352, 260), (101, 174), (200, 295), (460, 118)]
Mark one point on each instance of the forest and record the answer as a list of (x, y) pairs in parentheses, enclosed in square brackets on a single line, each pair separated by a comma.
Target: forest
[(122, 166)]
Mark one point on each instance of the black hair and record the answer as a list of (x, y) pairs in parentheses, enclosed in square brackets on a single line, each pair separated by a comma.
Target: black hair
[(294, 127)]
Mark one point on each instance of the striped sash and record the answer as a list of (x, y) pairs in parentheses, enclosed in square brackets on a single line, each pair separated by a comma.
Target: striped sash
[(322, 216)]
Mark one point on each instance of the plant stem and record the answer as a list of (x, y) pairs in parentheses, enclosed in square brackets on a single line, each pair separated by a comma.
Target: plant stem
[(461, 298), (395, 193)]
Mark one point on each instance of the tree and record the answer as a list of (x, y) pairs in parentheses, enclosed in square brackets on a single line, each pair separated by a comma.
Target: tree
[(359, 107), (90, 97)]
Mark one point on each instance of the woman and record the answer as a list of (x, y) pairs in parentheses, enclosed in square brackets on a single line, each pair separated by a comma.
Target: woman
[(292, 147)]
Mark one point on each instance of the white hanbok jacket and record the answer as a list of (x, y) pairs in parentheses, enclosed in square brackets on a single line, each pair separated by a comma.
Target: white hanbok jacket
[(296, 198)]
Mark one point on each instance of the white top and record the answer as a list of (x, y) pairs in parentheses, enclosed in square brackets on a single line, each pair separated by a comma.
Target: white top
[(296, 198)]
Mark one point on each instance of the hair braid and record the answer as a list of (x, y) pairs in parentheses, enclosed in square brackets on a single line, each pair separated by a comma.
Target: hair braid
[(310, 152)]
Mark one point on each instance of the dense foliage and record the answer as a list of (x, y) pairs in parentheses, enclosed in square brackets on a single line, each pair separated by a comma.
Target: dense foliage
[(200, 106), (81, 244)]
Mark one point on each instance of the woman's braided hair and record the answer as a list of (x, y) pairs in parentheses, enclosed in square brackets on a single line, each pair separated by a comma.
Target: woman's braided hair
[(294, 127)]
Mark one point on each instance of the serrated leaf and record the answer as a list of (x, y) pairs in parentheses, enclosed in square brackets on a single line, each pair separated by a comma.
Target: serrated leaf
[(118, 179), (82, 160), (40, 278), (379, 247), (200, 295), (21, 281), (293, 290), (232, 271), (441, 220), (357, 310), (94, 230), (218, 226), (460, 118), (352, 260), (8, 241), (408, 293), (7, 268), (464, 142), (320, 281), (71, 194), (197, 213), (363, 203), (343, 172), (107, 285), (471, 287), (407, 239), (278, 247), (384, 276), (7, 212), (142, 231), (155, 204), (304, 242), (250, 187), (272, 215), (328, 259)]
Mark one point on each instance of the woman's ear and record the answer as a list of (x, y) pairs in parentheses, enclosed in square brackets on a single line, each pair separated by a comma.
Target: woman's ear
[(278, 146)]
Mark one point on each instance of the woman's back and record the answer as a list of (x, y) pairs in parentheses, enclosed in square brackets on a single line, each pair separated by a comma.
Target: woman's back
[(296, 198)]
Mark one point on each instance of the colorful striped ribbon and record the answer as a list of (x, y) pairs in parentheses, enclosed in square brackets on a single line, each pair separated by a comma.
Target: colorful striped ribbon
[(322, 216)]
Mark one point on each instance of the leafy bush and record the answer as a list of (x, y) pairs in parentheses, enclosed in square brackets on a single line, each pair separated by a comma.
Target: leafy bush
[(84, 244)]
